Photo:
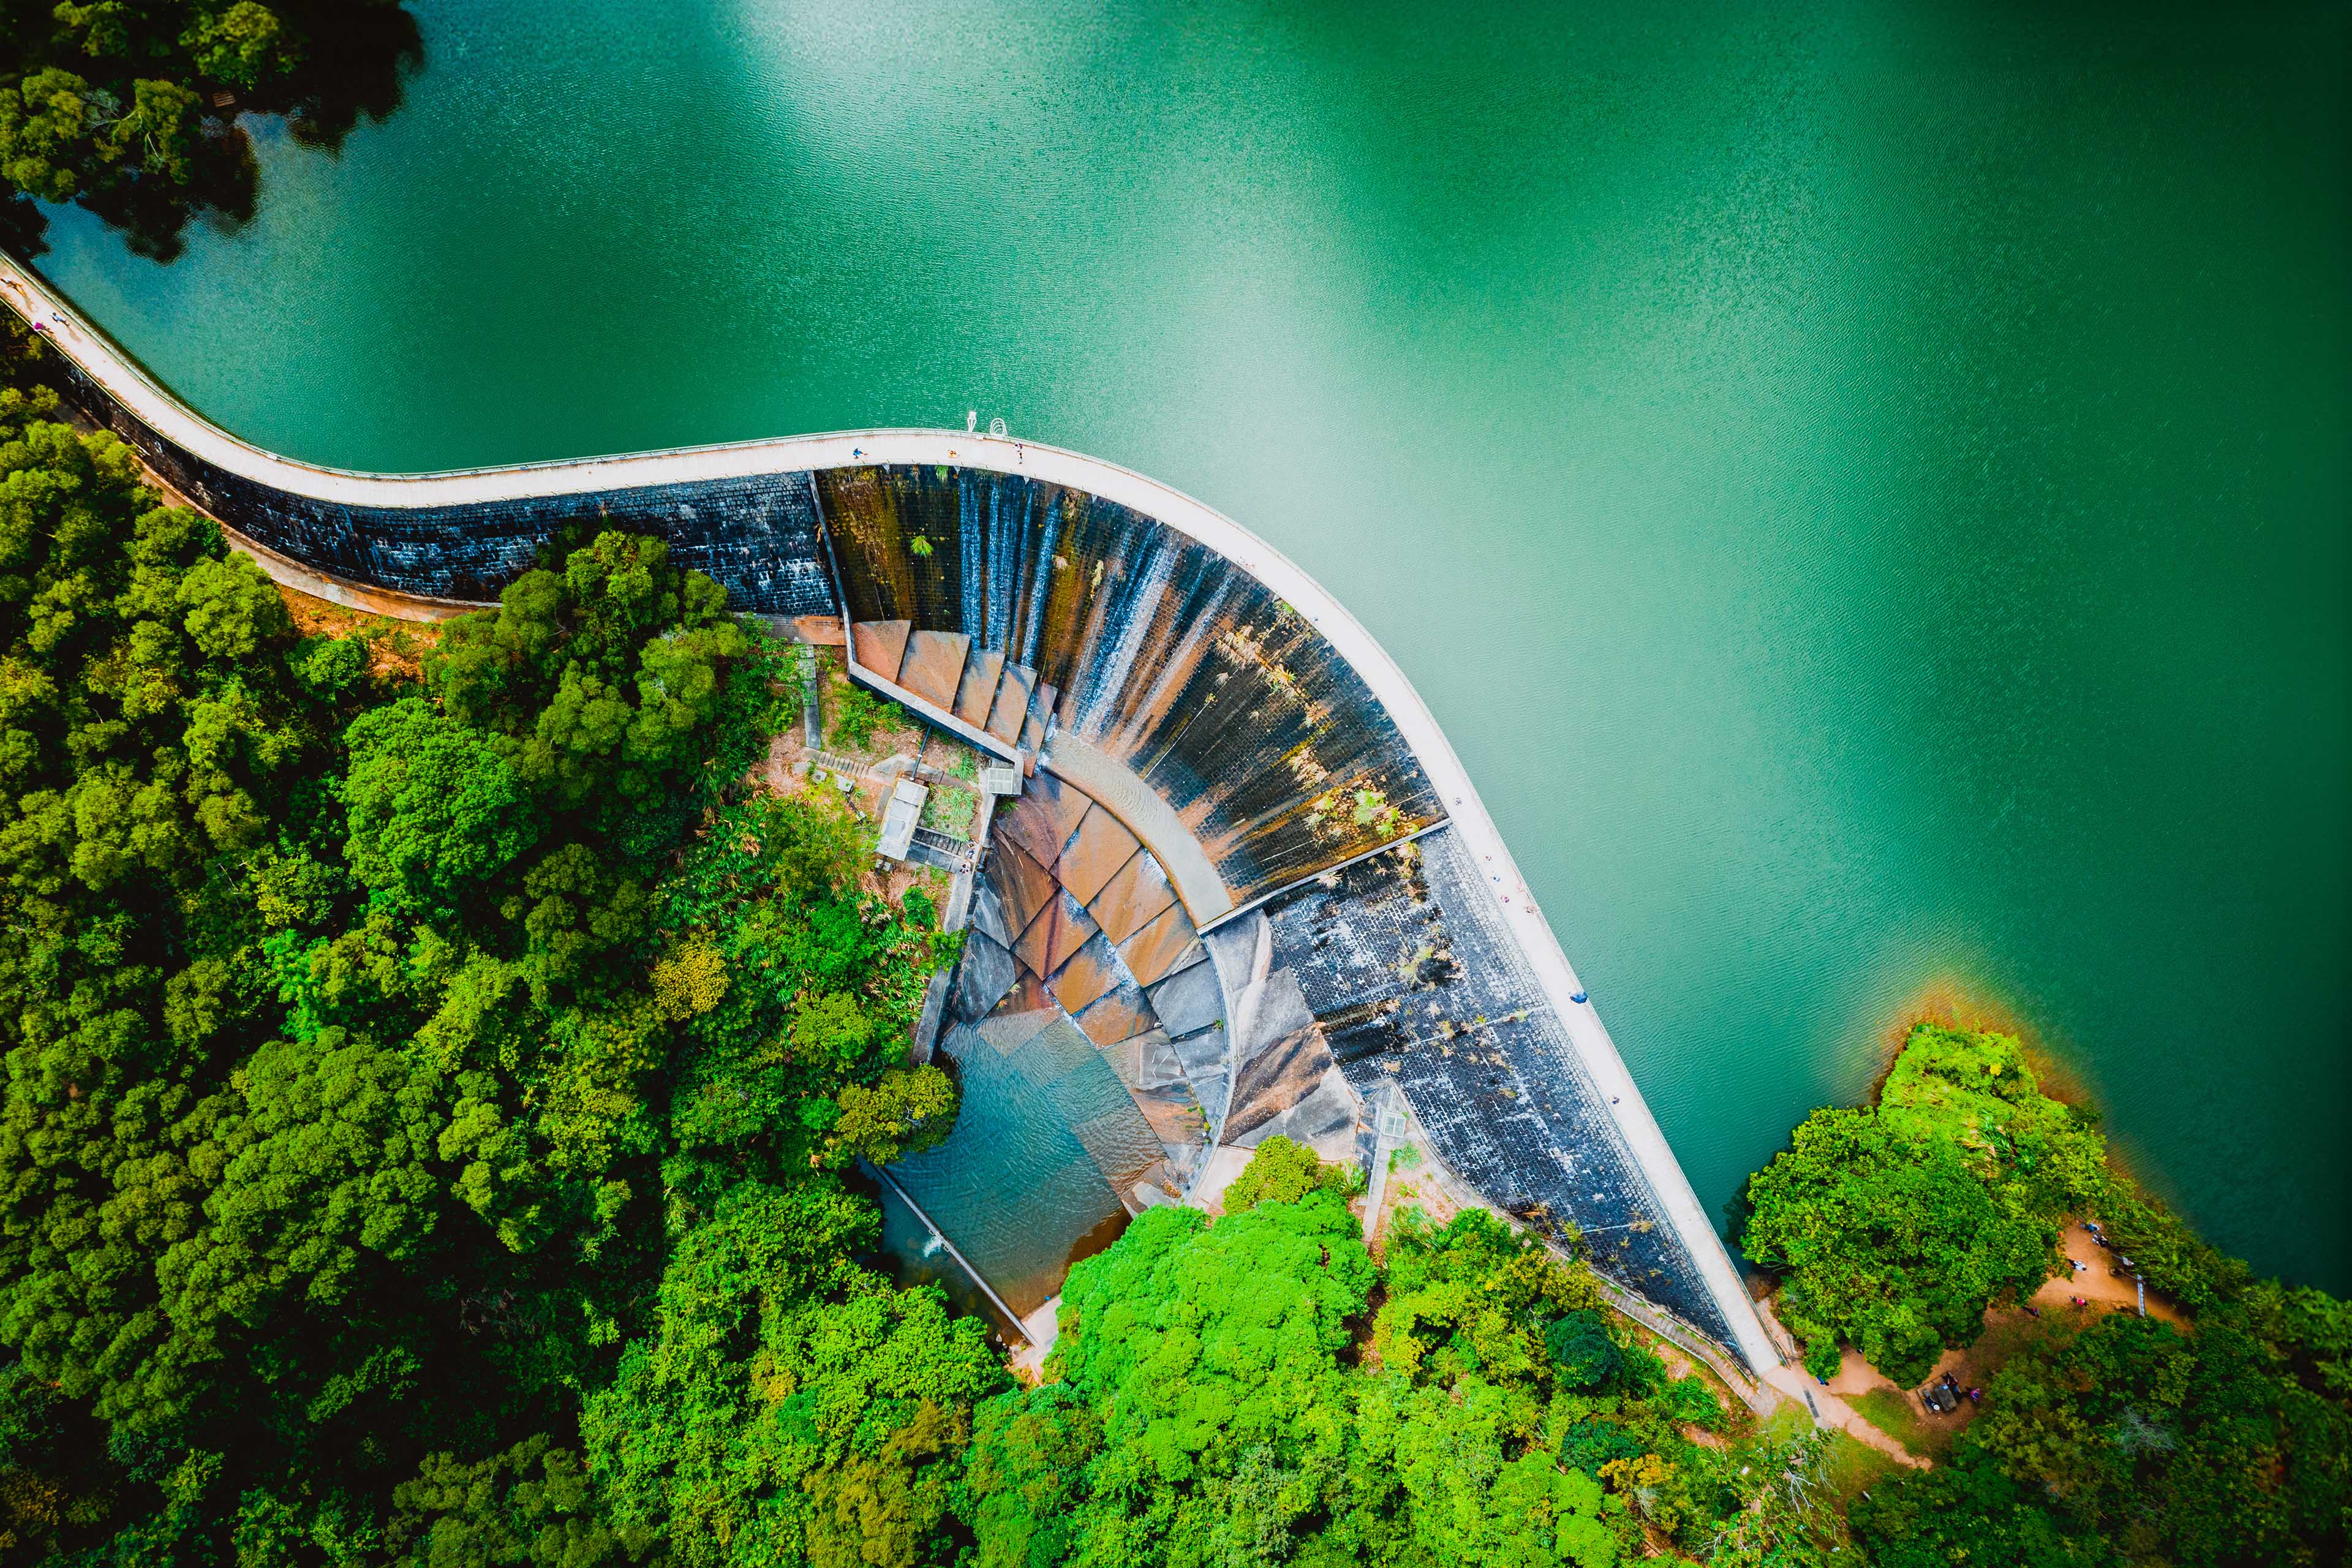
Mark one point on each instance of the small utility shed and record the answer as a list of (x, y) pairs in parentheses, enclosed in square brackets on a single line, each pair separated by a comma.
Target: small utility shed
[(906, 810)]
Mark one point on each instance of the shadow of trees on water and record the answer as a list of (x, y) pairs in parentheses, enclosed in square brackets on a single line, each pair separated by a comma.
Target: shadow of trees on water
[(355, 68)]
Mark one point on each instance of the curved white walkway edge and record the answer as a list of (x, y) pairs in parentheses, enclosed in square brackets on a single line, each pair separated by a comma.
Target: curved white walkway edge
[(164, 414)]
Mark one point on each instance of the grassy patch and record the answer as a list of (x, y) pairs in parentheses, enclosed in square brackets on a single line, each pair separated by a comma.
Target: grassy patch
[(1891, 1411), (1852, 1467), (949, 810)]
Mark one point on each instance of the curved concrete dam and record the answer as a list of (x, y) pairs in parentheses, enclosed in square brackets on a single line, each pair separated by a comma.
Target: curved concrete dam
[(1249, 889)]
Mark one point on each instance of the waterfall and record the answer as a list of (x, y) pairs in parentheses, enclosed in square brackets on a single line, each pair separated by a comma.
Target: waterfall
[(1004, 565), (1202, 623), (1042, 583), (1135, 613), (970, 552)]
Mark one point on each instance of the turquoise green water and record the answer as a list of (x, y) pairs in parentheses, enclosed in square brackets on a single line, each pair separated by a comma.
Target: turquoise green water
[(1865, 488)]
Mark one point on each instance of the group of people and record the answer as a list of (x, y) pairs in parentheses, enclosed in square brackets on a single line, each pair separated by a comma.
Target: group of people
[(1951, 1386)]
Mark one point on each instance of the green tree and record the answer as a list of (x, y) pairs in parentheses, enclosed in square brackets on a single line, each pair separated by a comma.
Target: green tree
[(104, 101), (353, 1036), (531, 1506), (903, 1113), (1030, 1452), (1280, 1171), (1895, 1227), (788, 1406)]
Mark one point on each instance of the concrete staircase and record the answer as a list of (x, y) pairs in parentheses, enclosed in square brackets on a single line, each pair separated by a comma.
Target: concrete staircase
[(973, 690)]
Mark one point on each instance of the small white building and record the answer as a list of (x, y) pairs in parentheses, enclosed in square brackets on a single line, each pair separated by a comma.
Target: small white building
[(906, 810)]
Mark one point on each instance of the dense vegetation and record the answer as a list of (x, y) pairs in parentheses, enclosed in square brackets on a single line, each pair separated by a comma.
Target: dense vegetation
[(1895, 1225), (2108, 1440), (430, 1105), (423, 1101), (124, 105), (1255, 1391)]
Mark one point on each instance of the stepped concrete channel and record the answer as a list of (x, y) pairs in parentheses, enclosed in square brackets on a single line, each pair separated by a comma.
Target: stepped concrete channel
[(1247, 887)]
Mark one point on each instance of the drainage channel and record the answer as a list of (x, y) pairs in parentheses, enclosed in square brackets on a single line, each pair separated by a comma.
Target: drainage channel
[(950, 1248)]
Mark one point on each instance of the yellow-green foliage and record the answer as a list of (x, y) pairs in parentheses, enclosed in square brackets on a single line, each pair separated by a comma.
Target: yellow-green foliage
[(690, 982), (1280, 1171), (903, 1112)]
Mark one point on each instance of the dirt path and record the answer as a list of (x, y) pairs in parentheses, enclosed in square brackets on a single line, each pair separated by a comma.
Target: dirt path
[(2006, 1332), (1829, 1410), (2093, 1281)]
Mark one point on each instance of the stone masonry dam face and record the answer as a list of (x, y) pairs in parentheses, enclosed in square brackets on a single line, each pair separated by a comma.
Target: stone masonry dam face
[(1249, 886)]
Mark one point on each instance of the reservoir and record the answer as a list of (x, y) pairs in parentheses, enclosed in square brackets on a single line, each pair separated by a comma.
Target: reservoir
[(1864, 489)]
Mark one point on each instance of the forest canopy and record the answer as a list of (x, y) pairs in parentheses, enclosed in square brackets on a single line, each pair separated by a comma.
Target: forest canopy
[(127, 107), (434, 1098), (2110, 1438), (391, 1064)]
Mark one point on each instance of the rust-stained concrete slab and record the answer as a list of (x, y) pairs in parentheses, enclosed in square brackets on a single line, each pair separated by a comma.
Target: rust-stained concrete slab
[(1176, 1120), (1204, 1055), (934, 666), (976, 692), (1043, 815), (1268, 1011), (881, 646), (1188, 1001), (1012, 704), (1146, 1061), (1150, 818), (988, 916), (1117, 1014), (1060, 929), (1041, 713), (1028, 993), (1134, 898), (818, 631), (1026, 886), (1095, 853), (982, 977), (1280, 1075), (1161, 948), (1326, 1119), (1091, 970)]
